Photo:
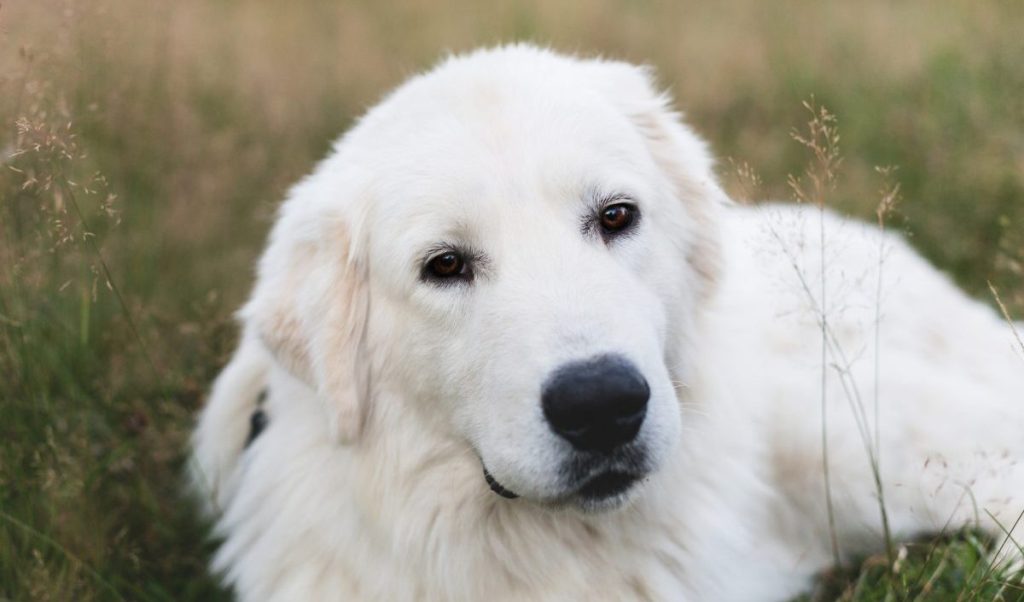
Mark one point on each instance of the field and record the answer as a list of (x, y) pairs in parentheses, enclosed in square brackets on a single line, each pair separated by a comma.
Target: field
[(145, 145)]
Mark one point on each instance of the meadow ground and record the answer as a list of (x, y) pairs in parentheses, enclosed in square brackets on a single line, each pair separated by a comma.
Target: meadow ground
[(144, 146)]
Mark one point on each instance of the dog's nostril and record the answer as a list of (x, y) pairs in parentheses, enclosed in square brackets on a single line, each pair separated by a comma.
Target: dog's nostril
[(596, 404)]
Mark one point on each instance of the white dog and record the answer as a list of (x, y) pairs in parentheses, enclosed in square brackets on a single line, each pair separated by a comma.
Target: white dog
[(512, 342)]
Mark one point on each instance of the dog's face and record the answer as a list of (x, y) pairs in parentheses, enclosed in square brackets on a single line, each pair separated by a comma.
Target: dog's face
[(522, 243)]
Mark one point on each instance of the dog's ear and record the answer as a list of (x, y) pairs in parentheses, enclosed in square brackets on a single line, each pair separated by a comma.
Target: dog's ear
[(309, 308), (682, 155)]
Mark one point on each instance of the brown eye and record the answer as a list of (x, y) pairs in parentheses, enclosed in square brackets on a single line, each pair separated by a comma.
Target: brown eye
[(447, 265), (616, 218)]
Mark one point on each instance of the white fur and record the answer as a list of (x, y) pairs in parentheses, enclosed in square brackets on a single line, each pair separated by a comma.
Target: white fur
[(387, 395)]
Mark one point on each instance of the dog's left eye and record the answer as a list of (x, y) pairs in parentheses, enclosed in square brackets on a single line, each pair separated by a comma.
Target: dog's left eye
[(617, 218)]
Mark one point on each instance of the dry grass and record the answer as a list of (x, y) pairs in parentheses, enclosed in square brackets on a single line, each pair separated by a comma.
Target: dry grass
[(143, 146)]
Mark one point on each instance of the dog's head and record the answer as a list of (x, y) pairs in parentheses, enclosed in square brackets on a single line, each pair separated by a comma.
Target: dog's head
[(519, 244)]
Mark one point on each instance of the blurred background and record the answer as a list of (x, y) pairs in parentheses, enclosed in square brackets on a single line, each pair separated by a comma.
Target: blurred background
[(145, 144)]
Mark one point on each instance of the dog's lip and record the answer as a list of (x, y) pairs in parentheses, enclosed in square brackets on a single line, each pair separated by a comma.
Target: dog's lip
[(600, 486), (497, 487), (607, 484)]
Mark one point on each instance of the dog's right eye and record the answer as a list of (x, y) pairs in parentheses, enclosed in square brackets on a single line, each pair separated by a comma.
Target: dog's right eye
[(450, 265)]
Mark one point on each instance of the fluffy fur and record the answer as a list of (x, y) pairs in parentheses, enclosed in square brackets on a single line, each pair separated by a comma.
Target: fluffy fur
[(389, 394)]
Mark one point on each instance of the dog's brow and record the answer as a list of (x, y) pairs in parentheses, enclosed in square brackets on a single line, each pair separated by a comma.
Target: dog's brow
[(611, 199), (599, 197)]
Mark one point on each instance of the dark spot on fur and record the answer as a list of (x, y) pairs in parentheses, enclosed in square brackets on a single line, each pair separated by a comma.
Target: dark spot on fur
[(257, 422), (639, 588), (592, 532)]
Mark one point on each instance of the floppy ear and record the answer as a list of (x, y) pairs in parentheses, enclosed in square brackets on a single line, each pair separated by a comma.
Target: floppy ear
[(309, 308), (682, 155)]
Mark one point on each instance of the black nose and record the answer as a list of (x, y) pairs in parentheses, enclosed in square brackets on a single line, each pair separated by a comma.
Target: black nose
[(596, 404)]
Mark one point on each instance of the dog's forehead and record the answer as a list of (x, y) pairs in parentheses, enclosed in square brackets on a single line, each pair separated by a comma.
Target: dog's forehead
[(459, 144)]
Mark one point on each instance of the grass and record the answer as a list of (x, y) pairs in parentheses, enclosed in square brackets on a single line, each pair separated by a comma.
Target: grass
[(144, 146), (953, 567)]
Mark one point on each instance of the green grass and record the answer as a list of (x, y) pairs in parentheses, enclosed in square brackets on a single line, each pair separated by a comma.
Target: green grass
[(144, 146), (944, 568)]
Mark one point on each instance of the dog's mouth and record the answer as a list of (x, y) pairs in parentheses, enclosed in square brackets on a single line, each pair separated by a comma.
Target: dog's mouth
[(597, 491), (606, 485), (589, 482), (496, 487)]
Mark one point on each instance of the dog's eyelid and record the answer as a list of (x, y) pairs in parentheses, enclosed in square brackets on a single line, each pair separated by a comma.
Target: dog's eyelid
[(438, 249), (599, 198), (470, 254), (618, 198)]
